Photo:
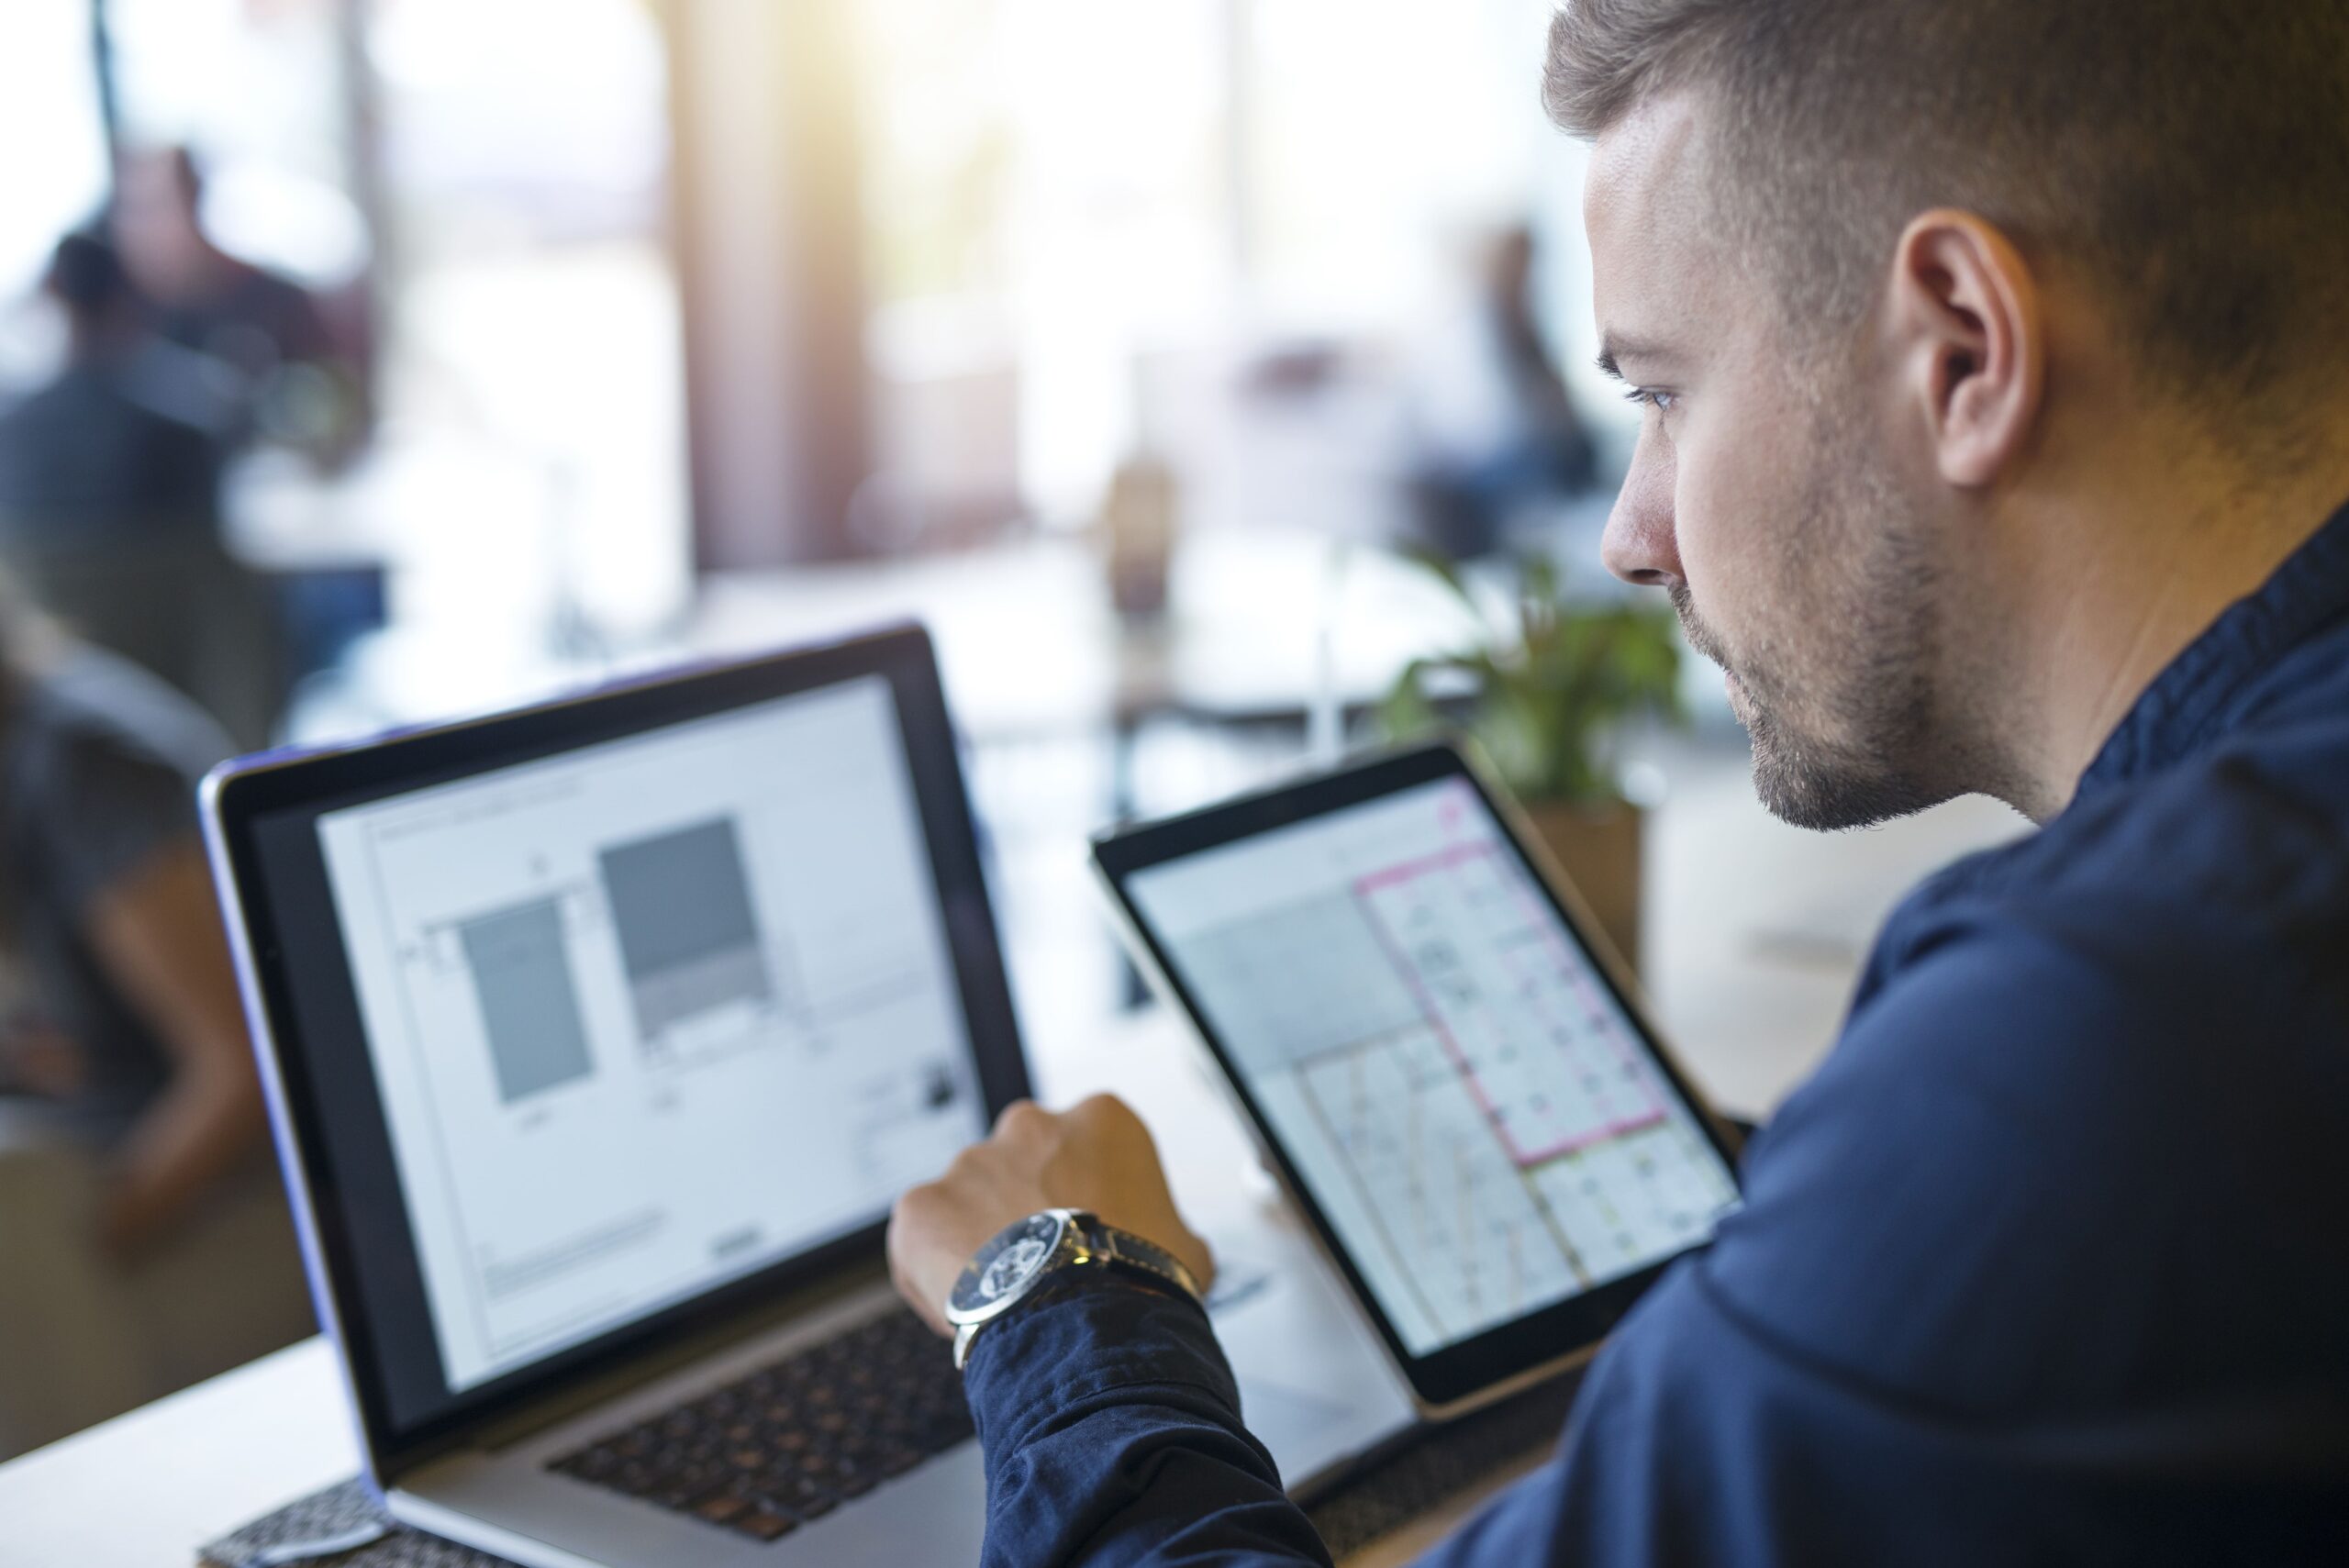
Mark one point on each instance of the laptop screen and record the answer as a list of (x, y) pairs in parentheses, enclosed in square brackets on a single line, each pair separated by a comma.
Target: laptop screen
[(599, 1027), (650, 1015)]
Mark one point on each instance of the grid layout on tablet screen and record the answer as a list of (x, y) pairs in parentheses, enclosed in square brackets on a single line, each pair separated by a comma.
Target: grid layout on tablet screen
[(1471, 1107)]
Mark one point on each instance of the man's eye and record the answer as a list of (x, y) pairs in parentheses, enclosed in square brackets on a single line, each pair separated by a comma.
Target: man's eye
[(1651, 398)]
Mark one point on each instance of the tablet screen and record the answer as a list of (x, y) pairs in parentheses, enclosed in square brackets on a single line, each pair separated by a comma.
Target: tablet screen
[(1477, 1116)]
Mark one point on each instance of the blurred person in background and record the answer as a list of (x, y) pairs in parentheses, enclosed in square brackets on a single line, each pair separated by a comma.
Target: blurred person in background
[(131, 432), (1497, 434), (297, 375), (110, 498), (145, 1232)]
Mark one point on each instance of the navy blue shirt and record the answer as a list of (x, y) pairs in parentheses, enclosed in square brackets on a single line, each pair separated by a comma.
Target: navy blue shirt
[(2049, 1262)]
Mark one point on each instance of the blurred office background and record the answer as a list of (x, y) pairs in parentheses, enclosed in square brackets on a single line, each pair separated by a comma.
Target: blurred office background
[(364, 362)]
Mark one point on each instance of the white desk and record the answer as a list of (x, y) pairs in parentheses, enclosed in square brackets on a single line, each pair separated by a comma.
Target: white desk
[(149, 1487), (144, 1490)]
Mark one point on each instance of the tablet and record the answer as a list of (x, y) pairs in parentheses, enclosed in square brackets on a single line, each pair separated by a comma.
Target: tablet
[(1445, 1066)]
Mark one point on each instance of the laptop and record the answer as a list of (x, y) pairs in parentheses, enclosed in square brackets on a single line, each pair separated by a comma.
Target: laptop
[(599, 1036)]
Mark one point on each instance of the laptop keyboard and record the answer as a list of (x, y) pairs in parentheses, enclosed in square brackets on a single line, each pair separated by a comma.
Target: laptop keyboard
[(795, 1439)]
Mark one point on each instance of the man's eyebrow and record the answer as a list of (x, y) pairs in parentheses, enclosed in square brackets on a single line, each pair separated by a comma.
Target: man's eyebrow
[(1614, 348)]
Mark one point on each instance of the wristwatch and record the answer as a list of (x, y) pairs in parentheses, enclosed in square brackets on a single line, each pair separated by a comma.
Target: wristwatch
[(1021, 1256)]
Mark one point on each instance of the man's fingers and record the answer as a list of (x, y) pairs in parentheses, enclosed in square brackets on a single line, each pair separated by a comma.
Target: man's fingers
[(911, 1245), (1022, 1121), (1109, 1114), (1103, 1103)]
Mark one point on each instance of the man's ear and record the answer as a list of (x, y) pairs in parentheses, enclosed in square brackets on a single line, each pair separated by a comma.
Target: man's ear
[(1966, 315)]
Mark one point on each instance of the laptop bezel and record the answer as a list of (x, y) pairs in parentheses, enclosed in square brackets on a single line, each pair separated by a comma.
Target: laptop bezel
[(247, 792)]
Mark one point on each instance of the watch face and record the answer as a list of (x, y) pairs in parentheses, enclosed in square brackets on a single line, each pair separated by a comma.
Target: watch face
[(1006, 1265)]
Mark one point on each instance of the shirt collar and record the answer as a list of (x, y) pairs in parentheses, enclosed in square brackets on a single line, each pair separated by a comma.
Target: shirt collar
[(2194, 699)]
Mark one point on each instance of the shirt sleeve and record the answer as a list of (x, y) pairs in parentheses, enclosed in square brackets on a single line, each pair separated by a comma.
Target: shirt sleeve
[(1112, 1430)]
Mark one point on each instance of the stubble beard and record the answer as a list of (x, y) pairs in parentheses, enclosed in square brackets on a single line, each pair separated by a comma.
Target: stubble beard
[(1842, 713)]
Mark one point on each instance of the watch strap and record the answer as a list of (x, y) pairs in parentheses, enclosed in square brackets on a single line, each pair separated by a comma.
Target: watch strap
[(1123, 1247)]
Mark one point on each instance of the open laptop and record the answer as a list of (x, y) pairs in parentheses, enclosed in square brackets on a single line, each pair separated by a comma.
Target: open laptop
[(600, 1037)]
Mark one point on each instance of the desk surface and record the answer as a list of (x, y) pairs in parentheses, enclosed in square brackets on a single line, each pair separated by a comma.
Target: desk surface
[(146, 1489)]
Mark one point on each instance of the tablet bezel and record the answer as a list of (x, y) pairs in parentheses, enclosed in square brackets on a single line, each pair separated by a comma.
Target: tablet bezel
[(349, 1210), (1490, 1365)]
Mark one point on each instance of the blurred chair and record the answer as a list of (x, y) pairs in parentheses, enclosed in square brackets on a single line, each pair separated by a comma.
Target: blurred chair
[(144, 1237), (180, 608)]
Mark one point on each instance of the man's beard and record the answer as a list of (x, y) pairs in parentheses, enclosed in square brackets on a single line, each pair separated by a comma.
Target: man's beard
[(1846, 731)]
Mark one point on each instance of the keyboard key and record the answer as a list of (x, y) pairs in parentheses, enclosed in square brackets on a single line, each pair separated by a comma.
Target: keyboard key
[(762, 1524), (898, 1460)]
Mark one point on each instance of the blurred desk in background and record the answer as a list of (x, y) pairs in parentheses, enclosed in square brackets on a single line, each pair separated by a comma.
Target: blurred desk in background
[(1257, 625), (1753, 930)]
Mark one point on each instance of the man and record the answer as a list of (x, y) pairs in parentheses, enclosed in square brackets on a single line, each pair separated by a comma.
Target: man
[(1995, 432), (1498, 436), (127, 441), (110, 500), (298, 382)]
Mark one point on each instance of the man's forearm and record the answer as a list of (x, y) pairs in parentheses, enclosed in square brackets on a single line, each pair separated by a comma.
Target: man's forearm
[(1112, 1428)]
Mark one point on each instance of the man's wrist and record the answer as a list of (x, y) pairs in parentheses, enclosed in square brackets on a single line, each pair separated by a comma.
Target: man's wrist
[(1081, 1335), (1096, 1278)]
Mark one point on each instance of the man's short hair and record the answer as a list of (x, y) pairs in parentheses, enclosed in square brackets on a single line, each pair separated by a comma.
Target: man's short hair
[(2187, 160)]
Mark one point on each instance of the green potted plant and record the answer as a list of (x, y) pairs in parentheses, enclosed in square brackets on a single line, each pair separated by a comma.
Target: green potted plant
[(1545, 683)]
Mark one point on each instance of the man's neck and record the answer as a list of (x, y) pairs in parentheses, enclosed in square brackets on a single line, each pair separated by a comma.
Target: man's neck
[(2124, 578)]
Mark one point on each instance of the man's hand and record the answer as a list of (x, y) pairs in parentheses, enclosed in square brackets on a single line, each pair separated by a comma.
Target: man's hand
[(1098, 1157)]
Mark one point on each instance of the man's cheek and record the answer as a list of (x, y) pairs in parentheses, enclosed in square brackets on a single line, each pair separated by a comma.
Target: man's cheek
[(1707, 551), (1728, 494)]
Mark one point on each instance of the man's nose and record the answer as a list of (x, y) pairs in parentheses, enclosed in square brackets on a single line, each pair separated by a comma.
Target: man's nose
[(1640, 545)]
